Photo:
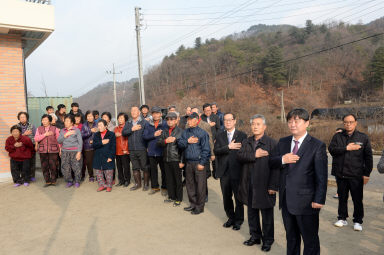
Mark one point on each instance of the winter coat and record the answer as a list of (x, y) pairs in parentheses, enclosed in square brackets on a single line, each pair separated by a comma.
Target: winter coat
[(171, 151), (149, 136), (258, 173), (104, 151), (351, 164)]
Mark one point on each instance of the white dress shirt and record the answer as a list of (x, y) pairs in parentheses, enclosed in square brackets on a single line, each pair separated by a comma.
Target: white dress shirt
[(230, 135)]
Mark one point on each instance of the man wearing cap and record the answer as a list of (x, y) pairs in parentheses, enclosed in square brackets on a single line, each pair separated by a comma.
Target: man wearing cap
[(207, 128), (152, 131), (172, 159), (195, 142)]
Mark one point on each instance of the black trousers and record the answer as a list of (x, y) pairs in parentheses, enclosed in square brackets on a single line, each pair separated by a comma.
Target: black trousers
[(196, 184), (174, 180), (153, 163), (20, 171), (355, 187), (267, 231), (301, 226), (123, 168), (229, 188)]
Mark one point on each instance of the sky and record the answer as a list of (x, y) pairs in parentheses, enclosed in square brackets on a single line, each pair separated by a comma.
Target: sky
[(91, 36)]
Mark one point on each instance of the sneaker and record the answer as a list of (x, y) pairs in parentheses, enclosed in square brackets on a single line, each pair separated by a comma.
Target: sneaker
[(357, 227), (101, 188), (16, 185), (33, 179), (69, 184), (77, 185), (91, 179), (341, 223), (176, 203), (109, 189), (26, 184)]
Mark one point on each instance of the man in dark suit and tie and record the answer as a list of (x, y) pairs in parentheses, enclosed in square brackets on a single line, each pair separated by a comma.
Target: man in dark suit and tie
[(228, 142), (303, 183)]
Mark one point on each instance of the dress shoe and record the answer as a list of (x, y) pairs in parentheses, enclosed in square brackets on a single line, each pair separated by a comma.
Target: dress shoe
[(153, 191), (266, 247), (189, 208), (119, 184), (252, 241), (236, 227), (228, 224), (196, 212), (134, 187), (164, 192), (126, 184)]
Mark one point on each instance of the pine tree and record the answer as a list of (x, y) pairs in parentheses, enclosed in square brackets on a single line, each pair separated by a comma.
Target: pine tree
[(376, 68), (197, 42), (273, 68)]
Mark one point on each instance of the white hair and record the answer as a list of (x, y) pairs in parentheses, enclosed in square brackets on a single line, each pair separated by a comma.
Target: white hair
[(258, 116)]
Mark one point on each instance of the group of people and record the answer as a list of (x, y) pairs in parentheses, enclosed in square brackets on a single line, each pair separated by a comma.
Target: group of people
[(252, 169)]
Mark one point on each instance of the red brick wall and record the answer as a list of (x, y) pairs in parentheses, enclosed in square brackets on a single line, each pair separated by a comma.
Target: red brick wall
[(12, 92)]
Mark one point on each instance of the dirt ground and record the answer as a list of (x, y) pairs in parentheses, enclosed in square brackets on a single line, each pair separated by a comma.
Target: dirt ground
[(57, 220)]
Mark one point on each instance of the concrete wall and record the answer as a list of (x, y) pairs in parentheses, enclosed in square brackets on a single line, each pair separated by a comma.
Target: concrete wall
[(27, 16), (12, 92)]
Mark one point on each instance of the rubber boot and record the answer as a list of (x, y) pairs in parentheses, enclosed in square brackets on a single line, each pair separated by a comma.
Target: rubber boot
[(137, 177)]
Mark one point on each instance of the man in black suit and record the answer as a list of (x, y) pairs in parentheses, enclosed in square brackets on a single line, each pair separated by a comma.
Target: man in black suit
[(227, 144), (303, 183)]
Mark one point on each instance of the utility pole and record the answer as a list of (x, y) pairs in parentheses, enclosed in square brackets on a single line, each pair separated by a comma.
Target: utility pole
[(114, 87), (283, 120), (139, 55)]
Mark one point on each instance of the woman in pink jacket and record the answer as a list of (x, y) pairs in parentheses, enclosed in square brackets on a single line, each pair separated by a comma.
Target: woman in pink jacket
[(48, 148)]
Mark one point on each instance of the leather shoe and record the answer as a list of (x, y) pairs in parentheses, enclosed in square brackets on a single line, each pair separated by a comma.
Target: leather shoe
[(196, 212), (266, 247), (228, 224), (189, 208), (252, 241), (236, 227)]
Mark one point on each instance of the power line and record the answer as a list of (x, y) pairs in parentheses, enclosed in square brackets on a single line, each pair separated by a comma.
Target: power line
[(300, 57)]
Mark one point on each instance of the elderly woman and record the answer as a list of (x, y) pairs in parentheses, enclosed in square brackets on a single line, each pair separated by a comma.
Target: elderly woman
[(87, 132), (20, 149), (122, 152), (72, 144), (28, 129), (48, 148), (104, 144)]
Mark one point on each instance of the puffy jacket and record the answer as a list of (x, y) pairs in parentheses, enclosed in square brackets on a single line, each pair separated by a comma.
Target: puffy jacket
[(196, 152), (171, 151), (351, 164), (149, 136), (121, 142), (104, 151), (87, 135), (135, 138)]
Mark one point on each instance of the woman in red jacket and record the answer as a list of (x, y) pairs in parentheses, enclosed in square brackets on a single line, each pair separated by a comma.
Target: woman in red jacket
[(122, 153), (48, 147), (20, 150)]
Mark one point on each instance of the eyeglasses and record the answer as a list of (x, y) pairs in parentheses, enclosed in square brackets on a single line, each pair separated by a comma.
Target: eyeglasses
[(349, 122)]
